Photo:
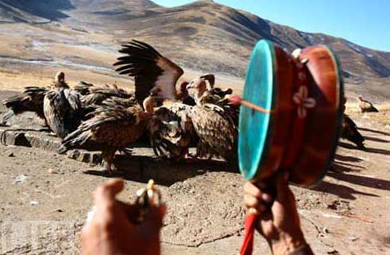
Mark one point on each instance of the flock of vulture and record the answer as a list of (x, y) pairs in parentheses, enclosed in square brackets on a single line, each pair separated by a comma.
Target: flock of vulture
[(109, 119), (173, 115)]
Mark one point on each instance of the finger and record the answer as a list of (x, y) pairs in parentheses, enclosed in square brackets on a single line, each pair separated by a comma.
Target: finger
[(155, 216), (132, 211), (252, 202), (105, 194), (252, 189)]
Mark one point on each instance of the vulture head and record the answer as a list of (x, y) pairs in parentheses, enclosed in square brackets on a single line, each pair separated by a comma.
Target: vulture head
[(59, 80), (60, 77), (196, 88)]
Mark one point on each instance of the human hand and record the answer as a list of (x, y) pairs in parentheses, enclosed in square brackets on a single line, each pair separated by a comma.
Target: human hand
[(278, 218), (112, 231)]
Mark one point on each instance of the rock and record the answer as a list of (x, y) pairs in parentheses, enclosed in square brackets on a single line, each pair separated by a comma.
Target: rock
[(11, 155), (34, 202), (52, 171), (353, 238), (20, 179)]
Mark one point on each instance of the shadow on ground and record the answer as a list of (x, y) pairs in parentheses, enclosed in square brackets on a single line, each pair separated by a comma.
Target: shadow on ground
[(370, 150), (374, 131), (163, 172), (375, 139), (340, 190)]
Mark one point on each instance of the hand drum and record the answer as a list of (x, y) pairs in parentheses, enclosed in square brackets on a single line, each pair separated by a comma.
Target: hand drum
[(298, 130)]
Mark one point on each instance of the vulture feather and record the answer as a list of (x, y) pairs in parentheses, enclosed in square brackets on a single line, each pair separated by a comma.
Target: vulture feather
[(121, 120), (62, 107), (216, 123), (31, 100), (111, 128), (171, 131), (152, 72)]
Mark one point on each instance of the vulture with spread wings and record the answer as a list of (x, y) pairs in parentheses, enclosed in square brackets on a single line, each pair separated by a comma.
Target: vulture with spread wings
[(114, 126)]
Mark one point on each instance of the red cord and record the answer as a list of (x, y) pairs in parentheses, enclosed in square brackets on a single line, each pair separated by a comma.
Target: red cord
[(247, 245)]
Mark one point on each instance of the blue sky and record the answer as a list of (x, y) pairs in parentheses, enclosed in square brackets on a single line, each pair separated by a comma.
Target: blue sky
[(364, 22)]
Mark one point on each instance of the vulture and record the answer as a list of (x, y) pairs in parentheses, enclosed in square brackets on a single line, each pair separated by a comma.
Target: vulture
[(62, 107), (215, 121), (93, 95), (350, 132), (366, 106), (31, 100), (152, 71), (116, 126), (171, 131)]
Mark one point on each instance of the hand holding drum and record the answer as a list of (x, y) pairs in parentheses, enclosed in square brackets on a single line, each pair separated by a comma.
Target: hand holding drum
[(295, 133)]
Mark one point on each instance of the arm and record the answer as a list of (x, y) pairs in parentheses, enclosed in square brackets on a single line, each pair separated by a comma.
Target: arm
[(279, 221)]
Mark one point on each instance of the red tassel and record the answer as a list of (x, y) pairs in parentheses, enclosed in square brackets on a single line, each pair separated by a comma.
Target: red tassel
[(247, 245)]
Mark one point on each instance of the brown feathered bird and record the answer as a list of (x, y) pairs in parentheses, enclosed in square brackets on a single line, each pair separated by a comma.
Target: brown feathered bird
[(215, 120), (366, 106), (114, 127), (62, 107), (31, 100), (171, 131), (350, 132), (94, 95)]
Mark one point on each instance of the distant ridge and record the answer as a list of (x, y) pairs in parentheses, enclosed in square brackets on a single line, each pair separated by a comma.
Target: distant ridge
[(202, 35)]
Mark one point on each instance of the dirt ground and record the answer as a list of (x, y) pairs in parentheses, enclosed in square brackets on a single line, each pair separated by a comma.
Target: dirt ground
[(45, 198)]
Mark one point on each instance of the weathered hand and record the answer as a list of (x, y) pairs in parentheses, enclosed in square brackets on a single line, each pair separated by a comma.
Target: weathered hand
[(278, 218), (111, 231)]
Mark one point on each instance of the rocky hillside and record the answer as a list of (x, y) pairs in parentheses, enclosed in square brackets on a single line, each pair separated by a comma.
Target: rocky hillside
[(208, 35), (202, 35)]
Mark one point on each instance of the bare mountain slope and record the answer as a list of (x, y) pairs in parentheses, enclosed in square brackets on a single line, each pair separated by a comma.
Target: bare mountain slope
[(210, 35), (203, 35)]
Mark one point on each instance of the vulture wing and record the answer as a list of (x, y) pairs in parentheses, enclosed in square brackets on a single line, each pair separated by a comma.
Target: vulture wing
[(31, 100), (216, 129), (111, 127), (152, 72)]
